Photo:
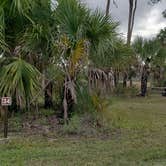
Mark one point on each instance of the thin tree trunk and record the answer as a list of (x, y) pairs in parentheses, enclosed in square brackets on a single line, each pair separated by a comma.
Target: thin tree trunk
[(129, 21), (125, 80), (131, 82), (108, 7), (48, 103), (132, 11), (133, 19), (159, 76), (116, 78), (144, 80), (143, 86), (65, 105)]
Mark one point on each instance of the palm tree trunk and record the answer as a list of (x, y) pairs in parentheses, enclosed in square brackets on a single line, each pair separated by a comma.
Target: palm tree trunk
[(125, 80), (143, 86), (131, 82), (65, 105), (68, 100), (108, 7), (132, 11), (144, 80), (48, 103), (116, 78)]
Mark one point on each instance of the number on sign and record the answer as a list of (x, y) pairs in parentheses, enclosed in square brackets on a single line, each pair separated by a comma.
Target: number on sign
[(6, 101)]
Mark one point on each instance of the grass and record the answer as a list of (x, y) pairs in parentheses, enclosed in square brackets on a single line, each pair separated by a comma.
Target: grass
[(140, 142)]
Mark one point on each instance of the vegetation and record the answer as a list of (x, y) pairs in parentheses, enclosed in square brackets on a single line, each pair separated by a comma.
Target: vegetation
[(137, 138), (71, 75)]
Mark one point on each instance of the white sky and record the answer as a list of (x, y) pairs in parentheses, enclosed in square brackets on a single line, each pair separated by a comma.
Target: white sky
[(148, 20)]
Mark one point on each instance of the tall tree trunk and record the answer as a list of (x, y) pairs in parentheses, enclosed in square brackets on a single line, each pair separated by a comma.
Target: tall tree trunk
[(132, 11), (125, 79), (131, 82), (144, 80), (144, 86), (108, 7), (69, 99), (48, 103), (116, 78), (129, 21), (65, 105), (159, 76)]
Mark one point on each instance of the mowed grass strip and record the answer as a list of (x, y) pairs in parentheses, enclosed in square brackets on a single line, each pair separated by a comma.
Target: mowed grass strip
[(142, 141)]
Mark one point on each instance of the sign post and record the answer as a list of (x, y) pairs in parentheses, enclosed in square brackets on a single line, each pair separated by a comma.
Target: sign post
[(5, 102)]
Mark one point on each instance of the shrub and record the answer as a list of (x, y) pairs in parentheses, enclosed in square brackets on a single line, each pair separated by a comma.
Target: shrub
[(73, 127)]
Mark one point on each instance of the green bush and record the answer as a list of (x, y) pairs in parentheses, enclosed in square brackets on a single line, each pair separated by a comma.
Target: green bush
[(84, 101)]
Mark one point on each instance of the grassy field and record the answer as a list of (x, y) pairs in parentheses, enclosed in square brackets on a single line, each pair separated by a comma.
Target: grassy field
[(140, 140)]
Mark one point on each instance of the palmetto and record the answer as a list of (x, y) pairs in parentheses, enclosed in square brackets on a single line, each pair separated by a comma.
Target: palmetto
[(19, 79), (68, 39)]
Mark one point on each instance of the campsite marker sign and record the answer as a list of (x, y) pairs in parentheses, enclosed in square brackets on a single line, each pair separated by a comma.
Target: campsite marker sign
[(5, 101)]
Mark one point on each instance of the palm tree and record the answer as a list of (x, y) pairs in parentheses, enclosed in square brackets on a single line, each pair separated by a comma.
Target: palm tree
[(13, 20), (150, 51), (68, 39), (121, 60), (37, 43), (83, 37), (162, 37)]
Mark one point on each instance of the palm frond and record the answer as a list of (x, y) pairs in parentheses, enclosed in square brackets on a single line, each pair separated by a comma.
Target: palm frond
[(101, 32), (71, 17), (3, 45), (21, 79), (21, 6), (78, 55)]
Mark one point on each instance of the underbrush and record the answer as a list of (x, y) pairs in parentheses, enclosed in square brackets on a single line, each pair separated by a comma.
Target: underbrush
[(86, 124), (127, 91)]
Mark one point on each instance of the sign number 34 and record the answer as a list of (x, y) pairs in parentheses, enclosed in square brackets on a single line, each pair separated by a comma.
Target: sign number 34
[(6, 101)]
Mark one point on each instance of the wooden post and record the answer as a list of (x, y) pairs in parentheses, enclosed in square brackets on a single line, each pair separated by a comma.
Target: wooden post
[(5, 102), (5, 121)]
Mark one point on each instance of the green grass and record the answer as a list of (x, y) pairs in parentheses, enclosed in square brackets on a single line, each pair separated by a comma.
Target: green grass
[(141, 140)]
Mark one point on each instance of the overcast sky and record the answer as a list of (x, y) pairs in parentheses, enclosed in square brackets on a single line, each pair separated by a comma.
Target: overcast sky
[(148, 20)]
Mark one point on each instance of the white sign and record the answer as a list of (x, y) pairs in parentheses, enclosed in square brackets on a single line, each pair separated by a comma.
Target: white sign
[(6, 101)]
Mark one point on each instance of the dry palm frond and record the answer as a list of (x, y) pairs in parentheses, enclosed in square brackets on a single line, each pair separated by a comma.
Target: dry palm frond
[(77, 57), (101, 79)]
